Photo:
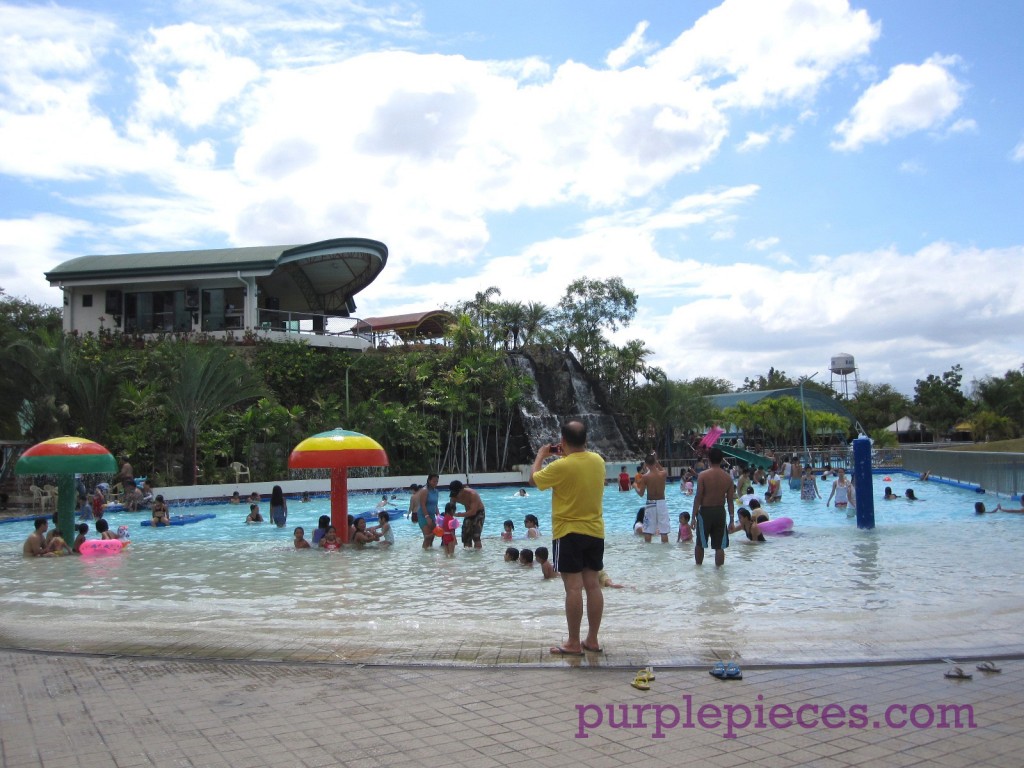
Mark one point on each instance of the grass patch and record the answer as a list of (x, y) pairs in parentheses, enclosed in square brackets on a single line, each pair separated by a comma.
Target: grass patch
[(996, 446)]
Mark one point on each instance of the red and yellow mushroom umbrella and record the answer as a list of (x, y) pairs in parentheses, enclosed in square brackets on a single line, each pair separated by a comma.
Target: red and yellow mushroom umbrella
[(338, 450), (64, 456)]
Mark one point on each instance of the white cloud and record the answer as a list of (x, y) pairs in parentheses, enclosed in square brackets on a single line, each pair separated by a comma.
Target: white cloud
[(964, 125), (635, 45), (915, 97), (186, 73), (754, 141), (31, 246), (1018, 152), (758, 54), (757, 141), (763, 244)]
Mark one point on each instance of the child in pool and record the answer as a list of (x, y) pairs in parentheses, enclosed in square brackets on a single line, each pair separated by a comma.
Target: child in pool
[(508, 533), (236, 498), (383, 531), (330, 540), (685, 534), (300, 538), (448, 525), (532, 527), (321, 528), (526, 557), (546, 568), (103, 529), (254, 497), (511, 555), (638, 525), (254, 515), (82, 529), (889, 495)]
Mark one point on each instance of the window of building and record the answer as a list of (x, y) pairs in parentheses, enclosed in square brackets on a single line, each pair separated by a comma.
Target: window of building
[(86, 299)]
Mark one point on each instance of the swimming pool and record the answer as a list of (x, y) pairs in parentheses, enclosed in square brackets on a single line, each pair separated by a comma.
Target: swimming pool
[(932, 579)]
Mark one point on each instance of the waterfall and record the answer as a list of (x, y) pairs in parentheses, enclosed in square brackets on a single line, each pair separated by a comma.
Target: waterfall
[(557, 389)]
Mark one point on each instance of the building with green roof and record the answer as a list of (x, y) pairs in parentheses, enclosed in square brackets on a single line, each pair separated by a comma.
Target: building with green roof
[(279, 292)]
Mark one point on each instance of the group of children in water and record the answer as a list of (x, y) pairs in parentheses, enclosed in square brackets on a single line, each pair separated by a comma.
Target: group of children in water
[(326, 536)]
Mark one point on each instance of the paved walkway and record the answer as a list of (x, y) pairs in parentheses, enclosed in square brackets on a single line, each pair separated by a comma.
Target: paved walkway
[(61, 711)]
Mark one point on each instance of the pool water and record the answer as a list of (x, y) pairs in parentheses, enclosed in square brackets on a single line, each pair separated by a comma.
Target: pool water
[(931, 579)]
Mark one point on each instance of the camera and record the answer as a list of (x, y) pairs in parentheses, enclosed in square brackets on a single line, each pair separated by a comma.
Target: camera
[(555, 448)]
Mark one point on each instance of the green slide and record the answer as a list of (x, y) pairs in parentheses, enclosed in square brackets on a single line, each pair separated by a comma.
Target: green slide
[(753, 459)]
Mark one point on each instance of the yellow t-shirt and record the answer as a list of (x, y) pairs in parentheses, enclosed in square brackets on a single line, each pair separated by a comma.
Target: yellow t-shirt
[(577, 483)]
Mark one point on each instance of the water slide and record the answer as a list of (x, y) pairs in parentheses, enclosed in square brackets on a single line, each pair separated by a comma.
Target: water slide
[(753, 459)]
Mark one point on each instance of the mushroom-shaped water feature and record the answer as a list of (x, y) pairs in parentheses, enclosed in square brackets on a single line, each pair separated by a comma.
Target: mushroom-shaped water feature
[(338, 450), (64, 456)]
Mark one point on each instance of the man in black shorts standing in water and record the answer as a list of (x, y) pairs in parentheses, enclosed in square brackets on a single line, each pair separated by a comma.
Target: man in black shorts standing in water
[(714, 490)]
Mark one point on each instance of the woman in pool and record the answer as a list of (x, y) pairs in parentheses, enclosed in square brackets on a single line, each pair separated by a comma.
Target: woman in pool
[(278, 507), (532, 527), (889, 495), (254, 515), (161, 515), (842, 491), (808, 485), (910, 495), (749, 526), (362, 535)]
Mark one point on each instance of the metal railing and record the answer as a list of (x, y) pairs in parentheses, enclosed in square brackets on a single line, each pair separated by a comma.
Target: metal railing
[(308, 323), (993, 471)]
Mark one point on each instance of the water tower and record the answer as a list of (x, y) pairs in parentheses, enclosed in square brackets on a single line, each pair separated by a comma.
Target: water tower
[(842, 369)]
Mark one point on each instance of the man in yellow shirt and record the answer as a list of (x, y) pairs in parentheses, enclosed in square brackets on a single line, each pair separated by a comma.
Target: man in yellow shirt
[(576, 478)]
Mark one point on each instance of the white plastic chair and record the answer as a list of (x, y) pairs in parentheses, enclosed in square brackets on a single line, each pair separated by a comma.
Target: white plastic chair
[(240, 471), (43, 498)]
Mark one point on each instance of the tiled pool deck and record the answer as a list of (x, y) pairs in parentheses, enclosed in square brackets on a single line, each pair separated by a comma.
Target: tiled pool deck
[(63, 710)]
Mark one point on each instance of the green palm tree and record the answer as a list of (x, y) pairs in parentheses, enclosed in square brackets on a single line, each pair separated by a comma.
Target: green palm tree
[(206, 381)]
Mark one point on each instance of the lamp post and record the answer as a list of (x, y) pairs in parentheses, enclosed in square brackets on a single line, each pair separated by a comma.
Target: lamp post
[(803, 412)]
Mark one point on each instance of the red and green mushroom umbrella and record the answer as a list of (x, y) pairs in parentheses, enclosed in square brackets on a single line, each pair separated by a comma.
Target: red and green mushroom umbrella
[(338, 450), (63, 457)]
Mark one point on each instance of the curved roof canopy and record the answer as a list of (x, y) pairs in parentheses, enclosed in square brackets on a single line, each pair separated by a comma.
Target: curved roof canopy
[(319, 277), (813, 399), (415, 325)]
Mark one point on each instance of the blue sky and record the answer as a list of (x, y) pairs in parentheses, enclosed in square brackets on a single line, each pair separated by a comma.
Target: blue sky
[(780, 181)]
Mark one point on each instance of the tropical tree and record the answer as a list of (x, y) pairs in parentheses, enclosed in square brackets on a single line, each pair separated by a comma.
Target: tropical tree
[(876, 406), (772, 380), (1003, 396), (536, 317), (938, 401), (987, 425), (206, 381), (21, 321), (589, 308)]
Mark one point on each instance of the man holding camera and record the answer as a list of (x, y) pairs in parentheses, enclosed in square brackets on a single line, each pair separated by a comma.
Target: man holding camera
[(577, 529)]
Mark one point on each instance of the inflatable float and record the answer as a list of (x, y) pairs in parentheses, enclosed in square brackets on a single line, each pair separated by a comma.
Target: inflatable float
[(180, 520), (92, 547), (776, 526), (371, 515)]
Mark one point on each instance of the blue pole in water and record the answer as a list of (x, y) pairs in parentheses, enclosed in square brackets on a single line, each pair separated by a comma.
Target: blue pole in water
[(862, 483)]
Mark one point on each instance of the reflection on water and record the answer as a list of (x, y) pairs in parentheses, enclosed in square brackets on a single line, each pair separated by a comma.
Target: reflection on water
[(222, 584)]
